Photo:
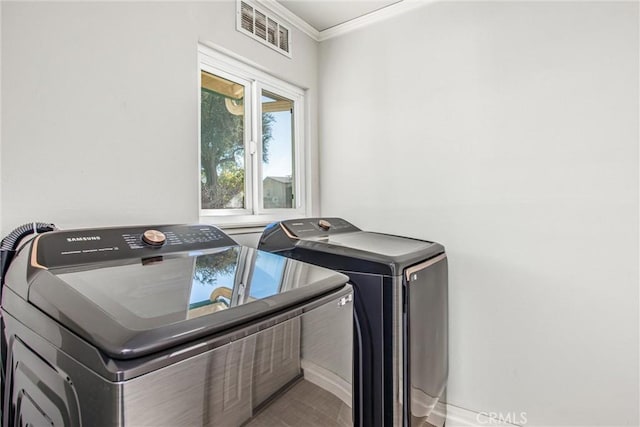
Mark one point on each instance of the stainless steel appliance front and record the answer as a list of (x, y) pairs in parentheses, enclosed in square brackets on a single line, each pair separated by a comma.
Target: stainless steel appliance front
[(202, 336), (401, 314), (295, 373)]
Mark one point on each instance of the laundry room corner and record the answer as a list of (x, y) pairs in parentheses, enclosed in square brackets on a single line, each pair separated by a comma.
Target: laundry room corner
[(320, 213), (508, 132)]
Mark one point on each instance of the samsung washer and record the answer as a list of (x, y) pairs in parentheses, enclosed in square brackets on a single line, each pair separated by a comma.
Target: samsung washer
[(172, 326)]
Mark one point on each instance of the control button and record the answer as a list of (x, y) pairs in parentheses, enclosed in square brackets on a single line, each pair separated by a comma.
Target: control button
[(154, 237), (324, 224)]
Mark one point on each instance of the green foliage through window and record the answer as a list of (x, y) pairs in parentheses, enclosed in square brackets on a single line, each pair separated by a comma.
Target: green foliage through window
[(222, 143)]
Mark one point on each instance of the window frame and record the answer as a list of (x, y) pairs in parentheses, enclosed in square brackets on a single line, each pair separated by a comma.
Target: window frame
[(255, 81)]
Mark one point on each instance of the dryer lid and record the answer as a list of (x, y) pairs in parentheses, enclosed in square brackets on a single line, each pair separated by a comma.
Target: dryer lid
[(139, 306), (368, 252), (394, 247), (338, 244)]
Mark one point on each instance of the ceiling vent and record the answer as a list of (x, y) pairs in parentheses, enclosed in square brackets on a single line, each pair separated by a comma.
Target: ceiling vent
[(263, 27)]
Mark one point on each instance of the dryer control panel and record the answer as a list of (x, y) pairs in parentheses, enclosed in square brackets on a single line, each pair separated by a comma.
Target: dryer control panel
[(316, 227), (84, 246)]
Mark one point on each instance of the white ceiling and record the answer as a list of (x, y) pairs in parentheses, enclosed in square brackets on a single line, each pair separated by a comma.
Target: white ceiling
[(324, 14)]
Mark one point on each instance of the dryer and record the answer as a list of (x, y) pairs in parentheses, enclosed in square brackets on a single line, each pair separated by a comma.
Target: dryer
[(401, 312), (172, 325)]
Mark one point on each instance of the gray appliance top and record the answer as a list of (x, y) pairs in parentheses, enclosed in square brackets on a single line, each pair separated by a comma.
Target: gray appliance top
[(129, 306), (383, 244), (343, 246)]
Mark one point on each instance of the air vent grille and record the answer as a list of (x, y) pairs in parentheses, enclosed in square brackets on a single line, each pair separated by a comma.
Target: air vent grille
[(246, 17), (263, 27)]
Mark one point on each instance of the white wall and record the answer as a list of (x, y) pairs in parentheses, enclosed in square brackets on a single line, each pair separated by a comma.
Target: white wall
[(508, 132), (245, 238), (100, 107)]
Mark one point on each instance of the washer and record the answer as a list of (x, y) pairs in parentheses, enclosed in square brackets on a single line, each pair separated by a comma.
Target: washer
[(172, 326), (400, 286)]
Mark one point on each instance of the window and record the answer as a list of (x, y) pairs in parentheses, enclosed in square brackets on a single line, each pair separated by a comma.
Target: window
[(251, 144)]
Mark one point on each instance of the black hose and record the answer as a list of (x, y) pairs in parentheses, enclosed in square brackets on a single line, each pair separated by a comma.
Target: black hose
[(9, 244), (11, 240)]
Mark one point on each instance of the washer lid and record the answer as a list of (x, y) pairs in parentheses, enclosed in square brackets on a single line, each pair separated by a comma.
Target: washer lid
[(139, 306)]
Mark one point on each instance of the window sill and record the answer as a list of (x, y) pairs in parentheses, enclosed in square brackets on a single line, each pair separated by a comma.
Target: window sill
[(242, 231), (246, 223)]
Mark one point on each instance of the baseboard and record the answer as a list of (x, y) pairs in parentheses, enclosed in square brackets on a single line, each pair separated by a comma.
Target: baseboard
[(422, 404), (461, 417), (454, 416), (327, 380), (438, 415)]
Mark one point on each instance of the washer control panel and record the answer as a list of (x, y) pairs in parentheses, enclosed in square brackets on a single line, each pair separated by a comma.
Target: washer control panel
[(77, 247), (317, 227)]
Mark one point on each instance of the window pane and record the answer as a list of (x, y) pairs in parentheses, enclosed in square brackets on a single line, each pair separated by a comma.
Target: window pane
[(277, 152), (222, 174)]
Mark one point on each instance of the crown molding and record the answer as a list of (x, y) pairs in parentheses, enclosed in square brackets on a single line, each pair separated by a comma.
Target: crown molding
[(290, 17), (395, 9)]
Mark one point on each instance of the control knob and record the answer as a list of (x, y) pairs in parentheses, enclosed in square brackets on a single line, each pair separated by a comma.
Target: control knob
[(324, 224), (154, 238)]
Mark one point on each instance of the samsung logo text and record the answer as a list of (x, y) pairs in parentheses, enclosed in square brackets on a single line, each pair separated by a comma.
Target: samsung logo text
[(83, 239)]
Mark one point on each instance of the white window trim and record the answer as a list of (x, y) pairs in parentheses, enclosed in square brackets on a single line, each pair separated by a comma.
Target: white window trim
[(210, 60)]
